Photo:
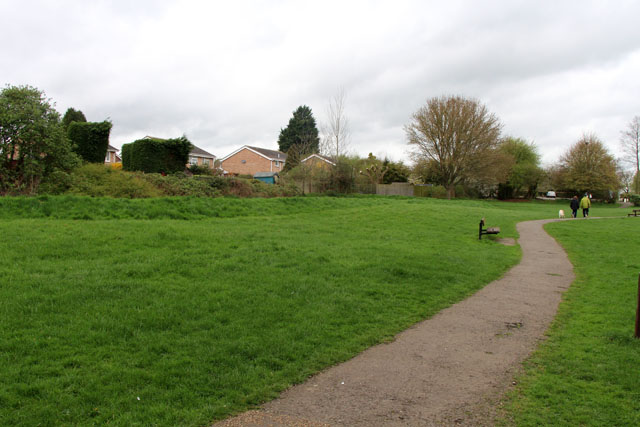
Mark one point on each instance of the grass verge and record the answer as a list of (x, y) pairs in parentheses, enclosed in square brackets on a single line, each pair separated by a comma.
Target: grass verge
[(588, 371), (139, 321)]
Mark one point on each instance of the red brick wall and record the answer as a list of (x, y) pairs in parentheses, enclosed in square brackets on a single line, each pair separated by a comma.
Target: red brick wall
[(252, 163)]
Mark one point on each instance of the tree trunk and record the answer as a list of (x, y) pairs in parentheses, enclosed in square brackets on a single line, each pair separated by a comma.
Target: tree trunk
[(451, 191)]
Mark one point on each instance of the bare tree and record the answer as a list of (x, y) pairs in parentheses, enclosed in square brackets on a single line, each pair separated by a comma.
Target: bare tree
[(336, 129), (630, 142), (458, 135)]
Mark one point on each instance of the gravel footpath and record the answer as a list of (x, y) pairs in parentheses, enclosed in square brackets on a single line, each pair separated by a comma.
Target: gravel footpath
[(451, 369)]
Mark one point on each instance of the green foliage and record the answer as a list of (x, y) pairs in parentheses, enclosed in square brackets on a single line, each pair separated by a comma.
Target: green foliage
[(72, 115), (588, 167), (57, 182), (90, 139), (585, 373), (396, 172), (32, 143), (180, 185), (342, 177), (153, 155), (203, 170), (97, 180), (435, 191), (301, 131), (525, 174), (635, 199)]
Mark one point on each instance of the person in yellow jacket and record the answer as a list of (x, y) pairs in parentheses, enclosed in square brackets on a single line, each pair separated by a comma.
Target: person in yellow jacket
[(585, 204)]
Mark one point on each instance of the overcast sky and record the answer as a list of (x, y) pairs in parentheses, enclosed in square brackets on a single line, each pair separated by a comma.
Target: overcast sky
[(231, 73)]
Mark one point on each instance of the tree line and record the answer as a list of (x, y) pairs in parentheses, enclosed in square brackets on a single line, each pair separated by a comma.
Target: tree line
[(455, 142)]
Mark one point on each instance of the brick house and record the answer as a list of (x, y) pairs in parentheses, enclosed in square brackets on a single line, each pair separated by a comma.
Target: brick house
[(251, 160), (199, 157), (112, 156), (319, 161)]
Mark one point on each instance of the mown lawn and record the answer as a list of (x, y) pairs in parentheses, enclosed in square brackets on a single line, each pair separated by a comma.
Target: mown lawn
[(114, 317), (588, 371)]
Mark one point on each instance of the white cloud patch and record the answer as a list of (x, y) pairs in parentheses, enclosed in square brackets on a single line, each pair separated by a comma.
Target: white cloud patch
[(231, 73)]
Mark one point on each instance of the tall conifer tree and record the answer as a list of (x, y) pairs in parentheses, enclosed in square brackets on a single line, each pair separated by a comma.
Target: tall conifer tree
[(300, 131)]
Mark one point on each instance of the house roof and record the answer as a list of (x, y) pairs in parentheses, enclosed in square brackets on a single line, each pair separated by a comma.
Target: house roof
[(112, 148), (265, 174), (200, 152), (321, 157), (268, 154)]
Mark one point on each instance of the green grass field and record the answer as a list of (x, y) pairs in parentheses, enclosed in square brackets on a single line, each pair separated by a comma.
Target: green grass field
[(588, 371), (182, 311)]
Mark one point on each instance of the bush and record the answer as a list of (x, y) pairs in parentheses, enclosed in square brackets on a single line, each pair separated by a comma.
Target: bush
[(435, 191), (202, 170), (635, 199), (99, 180), (58, 182), (156, 155), (90, 140), (180, 185)]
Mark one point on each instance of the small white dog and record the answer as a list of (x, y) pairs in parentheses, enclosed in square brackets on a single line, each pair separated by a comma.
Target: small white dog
[(561, 213)]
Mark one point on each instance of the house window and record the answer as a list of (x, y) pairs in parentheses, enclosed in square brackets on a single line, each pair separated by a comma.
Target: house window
[(108, 158), (277, 163), (243, 161), (193, 160), (205, 162)]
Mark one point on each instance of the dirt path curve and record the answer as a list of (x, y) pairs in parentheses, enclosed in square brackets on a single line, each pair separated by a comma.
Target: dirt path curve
[(448, 370)]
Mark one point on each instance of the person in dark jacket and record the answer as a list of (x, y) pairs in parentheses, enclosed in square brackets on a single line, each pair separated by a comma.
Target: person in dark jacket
[(575, 204)]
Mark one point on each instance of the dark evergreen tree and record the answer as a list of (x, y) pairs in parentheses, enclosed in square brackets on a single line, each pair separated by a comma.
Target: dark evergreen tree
[(396, 172), (90, 140), (72, 115), (300, 131)]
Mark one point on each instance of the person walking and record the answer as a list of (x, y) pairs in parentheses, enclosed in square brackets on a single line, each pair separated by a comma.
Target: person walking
[(575, 204), (585, 204)]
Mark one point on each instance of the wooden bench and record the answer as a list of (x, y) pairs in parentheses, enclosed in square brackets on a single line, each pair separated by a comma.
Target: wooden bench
[(636, 212), (489, 230)]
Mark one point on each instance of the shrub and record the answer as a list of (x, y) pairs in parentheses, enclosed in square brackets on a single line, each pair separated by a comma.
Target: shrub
[(180, 185), (201, 170), (99, 180), (58, 182), (635, 199), (239, 187), (216, 182), (156, 155), (90, 140), (435, 191)]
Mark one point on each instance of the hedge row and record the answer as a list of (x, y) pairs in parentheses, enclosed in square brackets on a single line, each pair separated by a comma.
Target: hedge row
[(152, 155), (90, 139)]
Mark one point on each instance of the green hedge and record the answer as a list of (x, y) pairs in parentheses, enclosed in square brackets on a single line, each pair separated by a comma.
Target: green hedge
[(153, 155), (90, 139), (435, 191)]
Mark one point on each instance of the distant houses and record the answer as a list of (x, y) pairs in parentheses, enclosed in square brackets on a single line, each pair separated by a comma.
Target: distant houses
[(318, 160), (199, 157), (249, 160), (112, 155)]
